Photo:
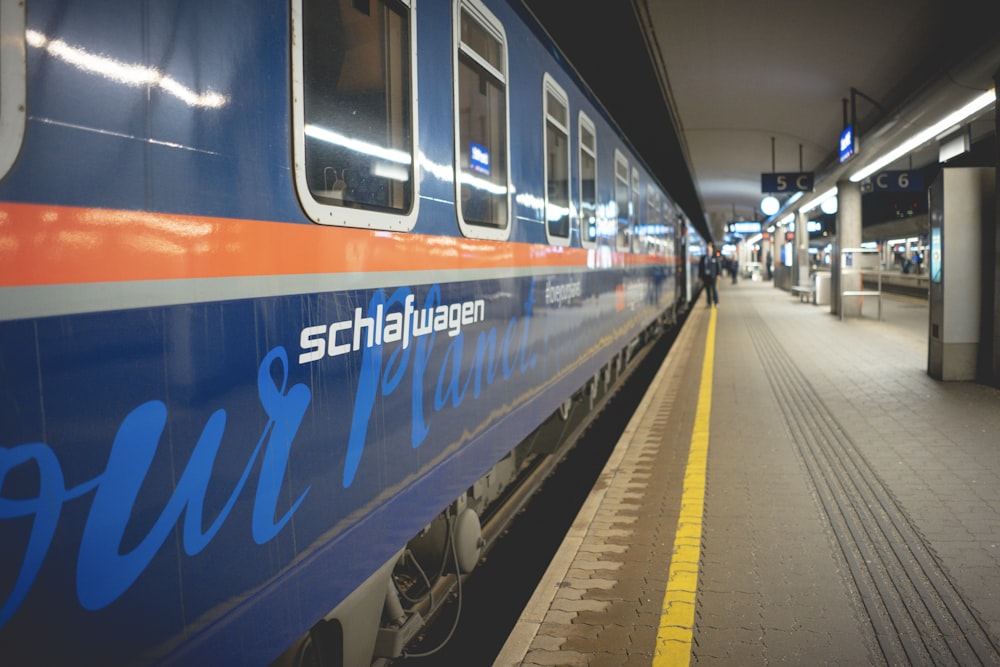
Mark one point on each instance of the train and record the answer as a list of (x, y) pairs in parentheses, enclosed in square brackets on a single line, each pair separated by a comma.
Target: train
[(294, 296)]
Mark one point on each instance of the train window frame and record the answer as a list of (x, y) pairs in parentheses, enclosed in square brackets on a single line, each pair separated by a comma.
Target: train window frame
[(365, 215), (623, 199), (13, 82), (586, 126), (466, 58), (553, 92)]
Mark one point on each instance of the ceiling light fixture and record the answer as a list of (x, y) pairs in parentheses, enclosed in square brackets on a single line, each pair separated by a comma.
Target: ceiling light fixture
[(769, 205)]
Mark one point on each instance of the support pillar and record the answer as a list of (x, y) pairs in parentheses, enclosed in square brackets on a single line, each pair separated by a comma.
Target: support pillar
[(961, 204), (848, 236), (782, 274), (801, 249), (989, 354), (765, 258)]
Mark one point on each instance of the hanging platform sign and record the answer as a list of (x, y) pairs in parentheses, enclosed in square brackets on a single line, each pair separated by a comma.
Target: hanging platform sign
[(787, 182), (898, 181), (744, 227)]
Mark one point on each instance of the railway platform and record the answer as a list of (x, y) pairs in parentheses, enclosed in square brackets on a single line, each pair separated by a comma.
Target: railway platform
[(793, 489)]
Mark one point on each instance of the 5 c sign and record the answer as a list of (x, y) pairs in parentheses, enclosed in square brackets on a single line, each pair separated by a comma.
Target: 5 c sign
[(787, 182)]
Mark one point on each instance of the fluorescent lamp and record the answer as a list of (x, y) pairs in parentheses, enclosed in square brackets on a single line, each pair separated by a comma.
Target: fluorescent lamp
[(926, 135), (829, 194)]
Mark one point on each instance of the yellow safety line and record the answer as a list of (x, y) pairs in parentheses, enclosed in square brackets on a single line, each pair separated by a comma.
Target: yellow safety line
[(673, 642)]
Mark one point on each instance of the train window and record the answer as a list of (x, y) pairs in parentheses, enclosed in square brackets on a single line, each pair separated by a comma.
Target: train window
[(623, 202), (483, 187), (557, 217), (12, 81), (588, 181), (355, 118)]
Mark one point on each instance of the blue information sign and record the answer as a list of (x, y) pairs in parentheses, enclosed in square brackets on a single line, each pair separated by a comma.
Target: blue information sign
[(744, 227), (848, 144), (935, 254)]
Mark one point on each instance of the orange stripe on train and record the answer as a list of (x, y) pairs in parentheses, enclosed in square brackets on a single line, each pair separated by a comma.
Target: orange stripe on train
[(51, 245)]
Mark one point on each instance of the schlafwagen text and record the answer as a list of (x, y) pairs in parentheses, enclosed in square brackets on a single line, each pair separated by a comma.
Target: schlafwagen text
[(318, 341)]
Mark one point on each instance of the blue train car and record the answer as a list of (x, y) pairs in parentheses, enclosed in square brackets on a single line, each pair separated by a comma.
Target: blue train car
[(284, 289)]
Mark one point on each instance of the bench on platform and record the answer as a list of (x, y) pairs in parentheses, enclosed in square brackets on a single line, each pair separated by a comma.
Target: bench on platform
[(862, 293), (804, 292)]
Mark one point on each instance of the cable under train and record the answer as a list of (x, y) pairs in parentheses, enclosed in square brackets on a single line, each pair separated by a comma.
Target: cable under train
[(292, 297)]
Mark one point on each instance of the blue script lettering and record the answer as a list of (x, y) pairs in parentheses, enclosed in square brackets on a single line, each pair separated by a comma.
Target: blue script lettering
[(372, 379), (103, 572), (45, 509), (449, 388)]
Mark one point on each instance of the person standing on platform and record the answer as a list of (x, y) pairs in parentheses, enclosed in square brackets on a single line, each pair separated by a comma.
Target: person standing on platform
[(735, 268), (709, 269)]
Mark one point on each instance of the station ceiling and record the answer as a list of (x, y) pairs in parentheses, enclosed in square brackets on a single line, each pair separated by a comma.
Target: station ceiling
[(715, 93)]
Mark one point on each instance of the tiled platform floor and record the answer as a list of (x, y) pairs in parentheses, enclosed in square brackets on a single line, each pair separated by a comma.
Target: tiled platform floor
[(851, 508)]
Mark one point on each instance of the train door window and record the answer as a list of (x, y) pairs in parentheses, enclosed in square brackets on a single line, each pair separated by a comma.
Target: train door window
[(557, 218), (483, 187), (623, 201), (636, 199), (354, 79), (588, 181), (666, 238), (12, 81), (647, 240)]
